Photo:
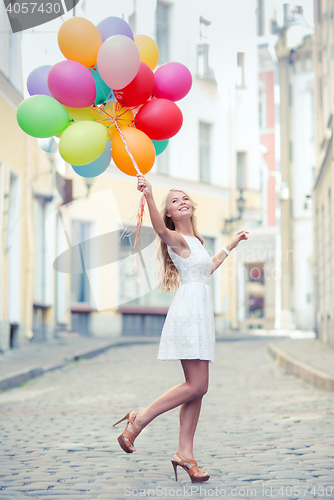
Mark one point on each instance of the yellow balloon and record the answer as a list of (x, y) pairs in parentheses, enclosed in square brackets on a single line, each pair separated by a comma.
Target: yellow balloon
[(113, 112), (148, 50), (82, 142), (80, 114)]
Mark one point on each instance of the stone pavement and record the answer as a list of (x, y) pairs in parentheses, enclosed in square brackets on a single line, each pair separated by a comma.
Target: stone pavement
[(301, 355), (34, 359), (261, 433)]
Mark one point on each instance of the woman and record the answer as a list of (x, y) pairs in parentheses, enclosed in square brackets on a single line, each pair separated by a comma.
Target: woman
[(188, 333)]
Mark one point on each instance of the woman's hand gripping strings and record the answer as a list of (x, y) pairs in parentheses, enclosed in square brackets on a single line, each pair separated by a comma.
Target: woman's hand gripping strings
[(144, 185), (156, 219)]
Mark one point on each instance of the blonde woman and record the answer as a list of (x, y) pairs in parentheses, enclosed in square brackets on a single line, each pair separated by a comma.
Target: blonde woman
[(188, 333)]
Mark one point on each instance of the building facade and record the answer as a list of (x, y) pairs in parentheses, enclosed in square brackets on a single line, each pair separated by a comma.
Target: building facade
[(26, 296), (323, 188), (65, 265)]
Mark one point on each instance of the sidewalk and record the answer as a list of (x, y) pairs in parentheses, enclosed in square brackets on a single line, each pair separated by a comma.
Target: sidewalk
[(23, 363), (305, 357), (310, 359)]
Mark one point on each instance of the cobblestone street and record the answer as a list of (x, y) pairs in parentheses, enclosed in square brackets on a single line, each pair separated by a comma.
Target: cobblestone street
[(261, 433)]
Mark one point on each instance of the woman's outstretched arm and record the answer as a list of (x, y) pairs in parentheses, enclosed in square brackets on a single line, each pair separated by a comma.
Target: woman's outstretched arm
[(219, 258)]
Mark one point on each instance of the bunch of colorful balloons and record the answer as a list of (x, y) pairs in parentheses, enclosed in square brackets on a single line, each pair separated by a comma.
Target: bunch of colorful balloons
[(105, 100)]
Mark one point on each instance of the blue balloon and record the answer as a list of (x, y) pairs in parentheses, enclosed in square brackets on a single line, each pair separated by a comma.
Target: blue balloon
[(102, 89), (111, 97), (98, 166)]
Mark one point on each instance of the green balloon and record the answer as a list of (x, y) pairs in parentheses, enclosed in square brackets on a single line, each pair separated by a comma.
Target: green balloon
[(160, 146), (42, 116)]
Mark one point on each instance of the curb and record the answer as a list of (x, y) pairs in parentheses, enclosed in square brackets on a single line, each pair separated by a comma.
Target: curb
[(291, 365)]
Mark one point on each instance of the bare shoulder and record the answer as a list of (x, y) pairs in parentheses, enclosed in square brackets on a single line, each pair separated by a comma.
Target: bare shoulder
[(173, 240)]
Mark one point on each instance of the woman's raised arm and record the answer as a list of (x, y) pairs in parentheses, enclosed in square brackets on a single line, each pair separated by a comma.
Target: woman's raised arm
[(171, 238), (156, 219)]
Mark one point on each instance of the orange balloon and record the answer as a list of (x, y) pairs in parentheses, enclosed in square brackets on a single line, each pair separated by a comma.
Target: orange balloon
[(148, 50), (79, 40), (140, 146)]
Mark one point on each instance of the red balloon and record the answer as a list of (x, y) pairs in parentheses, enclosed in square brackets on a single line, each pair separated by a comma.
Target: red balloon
[(139, 90), (160, 119)]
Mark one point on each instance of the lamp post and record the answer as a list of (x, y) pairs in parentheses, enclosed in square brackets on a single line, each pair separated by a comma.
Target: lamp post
[(241, 202), (89, 182)]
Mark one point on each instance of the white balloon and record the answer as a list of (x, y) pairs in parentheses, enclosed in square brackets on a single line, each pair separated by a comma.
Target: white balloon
[(118, 61)]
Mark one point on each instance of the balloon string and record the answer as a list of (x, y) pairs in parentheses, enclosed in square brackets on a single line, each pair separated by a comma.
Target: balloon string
[(127, 148), (140, 213)]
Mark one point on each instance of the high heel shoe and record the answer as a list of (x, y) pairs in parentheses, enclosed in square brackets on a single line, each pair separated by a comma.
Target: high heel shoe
[(128, 434), (191, 471)]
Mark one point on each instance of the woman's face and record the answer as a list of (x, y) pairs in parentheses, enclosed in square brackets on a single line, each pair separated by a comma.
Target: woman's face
[(179, 206)]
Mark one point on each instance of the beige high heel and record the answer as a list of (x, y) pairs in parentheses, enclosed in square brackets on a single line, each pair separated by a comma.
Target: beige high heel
[(191, 471), (128, 434)]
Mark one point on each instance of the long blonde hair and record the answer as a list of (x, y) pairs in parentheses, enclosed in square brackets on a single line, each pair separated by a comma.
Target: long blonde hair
[(168, 274)]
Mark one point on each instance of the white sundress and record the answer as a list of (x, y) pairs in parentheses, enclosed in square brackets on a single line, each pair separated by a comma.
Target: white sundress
[(189, 328)]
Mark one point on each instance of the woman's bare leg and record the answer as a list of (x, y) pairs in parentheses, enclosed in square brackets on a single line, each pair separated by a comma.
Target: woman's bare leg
[(189, 415), (189, 412), (195, 386)]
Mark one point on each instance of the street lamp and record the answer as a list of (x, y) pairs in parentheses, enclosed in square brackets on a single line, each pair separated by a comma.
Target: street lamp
[(241, 202), (89, 182)]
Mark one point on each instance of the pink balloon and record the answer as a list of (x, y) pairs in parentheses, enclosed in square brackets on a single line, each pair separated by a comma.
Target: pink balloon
[(72, 84), (118, 61), (173, 81)]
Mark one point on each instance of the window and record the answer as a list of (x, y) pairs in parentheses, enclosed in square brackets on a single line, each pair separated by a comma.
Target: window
[(162, 19), (262, 109), (204, 151), (162, 162), (203, 69), (260, 17), (241, 169), (330, 232), (323, 228), (290, 95), (255, 294), (40, 250), (80, 288), (240, 81), (132, 20), (312, 114)]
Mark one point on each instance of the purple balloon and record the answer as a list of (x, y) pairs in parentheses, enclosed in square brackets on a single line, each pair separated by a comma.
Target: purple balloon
[(37, 81), (72, 84), (114, 26)]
